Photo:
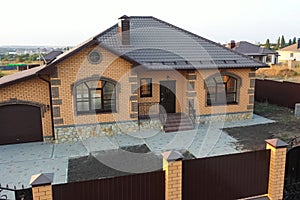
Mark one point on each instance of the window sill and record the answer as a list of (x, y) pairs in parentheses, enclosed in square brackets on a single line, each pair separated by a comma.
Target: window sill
[(145, 96), (95, 112), (222, 104)]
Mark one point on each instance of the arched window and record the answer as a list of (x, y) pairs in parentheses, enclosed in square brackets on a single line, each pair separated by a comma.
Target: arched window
[(222, 89), (95, 96)]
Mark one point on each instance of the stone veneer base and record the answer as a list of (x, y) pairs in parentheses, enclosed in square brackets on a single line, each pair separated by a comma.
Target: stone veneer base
[(75, 133), (204, 119)]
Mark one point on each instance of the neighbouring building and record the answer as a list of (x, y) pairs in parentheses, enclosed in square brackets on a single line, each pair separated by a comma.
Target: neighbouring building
[(290, 53), (132, 75), (254, 51)]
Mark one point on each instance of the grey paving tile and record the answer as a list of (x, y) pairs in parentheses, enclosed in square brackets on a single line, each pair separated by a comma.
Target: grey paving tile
[(19, 173), (94, 144), (69, 150), (24, 152)]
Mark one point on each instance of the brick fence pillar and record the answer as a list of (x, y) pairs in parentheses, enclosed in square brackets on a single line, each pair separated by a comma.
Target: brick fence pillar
[(172, 165), (277, 168), (41, 186)]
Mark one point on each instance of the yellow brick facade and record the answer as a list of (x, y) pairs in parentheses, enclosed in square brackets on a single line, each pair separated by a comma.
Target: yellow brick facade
[(77, 68), (245, 91), (171, 75), (245, 104), (33, 90)]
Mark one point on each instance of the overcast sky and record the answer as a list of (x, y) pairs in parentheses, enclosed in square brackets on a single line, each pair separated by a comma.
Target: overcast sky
[(68, 23)]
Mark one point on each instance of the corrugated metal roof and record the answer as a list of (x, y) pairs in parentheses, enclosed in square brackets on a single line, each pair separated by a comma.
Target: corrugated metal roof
[(153, 40)]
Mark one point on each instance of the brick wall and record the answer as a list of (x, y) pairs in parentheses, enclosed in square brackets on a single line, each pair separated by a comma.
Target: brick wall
[(34, 90), (187, 78), (42, 192), (245, 95), (157, 76), (78, 67)]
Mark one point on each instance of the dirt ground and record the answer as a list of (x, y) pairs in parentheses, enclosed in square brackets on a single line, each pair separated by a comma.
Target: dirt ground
[(286, 127)]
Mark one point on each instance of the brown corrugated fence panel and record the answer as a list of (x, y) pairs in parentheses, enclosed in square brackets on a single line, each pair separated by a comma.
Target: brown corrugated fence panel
[(147, 186), (226, 177), (276, 92)]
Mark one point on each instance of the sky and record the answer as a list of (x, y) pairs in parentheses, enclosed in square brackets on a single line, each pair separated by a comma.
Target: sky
[(68, 23)]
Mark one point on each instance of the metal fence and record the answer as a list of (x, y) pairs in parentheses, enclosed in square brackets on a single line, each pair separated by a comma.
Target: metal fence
[(277, 92), (226, 177), (147, 186)]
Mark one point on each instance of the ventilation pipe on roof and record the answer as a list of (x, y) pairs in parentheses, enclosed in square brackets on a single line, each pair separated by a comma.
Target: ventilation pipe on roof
[(124, 29)]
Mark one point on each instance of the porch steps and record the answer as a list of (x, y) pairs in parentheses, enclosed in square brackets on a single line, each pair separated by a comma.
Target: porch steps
[(178, 122)]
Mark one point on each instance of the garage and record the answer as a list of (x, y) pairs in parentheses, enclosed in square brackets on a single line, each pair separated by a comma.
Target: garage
[(20, 123)]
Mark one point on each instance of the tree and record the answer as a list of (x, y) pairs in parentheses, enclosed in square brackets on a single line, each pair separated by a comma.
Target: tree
[(290, 42), (294, 40), (267, 45), (277, 45), (282, 42)]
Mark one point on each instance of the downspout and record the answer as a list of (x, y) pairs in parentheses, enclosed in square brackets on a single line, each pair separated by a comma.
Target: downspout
[(49, 84)]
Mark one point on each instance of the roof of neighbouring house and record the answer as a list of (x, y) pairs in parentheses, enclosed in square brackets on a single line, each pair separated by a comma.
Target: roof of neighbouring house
[(293, 47), (52, 55), (251, 49)]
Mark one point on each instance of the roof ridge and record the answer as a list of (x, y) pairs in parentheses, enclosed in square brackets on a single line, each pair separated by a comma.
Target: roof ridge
[(141, 16)]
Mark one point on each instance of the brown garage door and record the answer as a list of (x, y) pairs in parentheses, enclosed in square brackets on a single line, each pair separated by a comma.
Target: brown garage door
[(20, 123)]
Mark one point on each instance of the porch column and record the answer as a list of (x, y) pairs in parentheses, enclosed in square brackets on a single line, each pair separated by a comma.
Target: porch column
[(172, 165), (277, 168), (41, 186)]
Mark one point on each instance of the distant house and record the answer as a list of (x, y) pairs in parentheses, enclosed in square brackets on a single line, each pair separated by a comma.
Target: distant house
[(51, 56), (254, 51), (290, 53), (138, 72)]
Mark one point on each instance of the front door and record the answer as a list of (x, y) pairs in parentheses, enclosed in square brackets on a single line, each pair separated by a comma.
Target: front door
[(167, 95)]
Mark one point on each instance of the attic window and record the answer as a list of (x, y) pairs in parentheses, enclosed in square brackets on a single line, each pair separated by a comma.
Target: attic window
[(95, 57)]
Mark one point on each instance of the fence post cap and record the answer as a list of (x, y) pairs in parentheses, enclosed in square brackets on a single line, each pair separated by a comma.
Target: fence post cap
[(277, 143), (41, 179), (172, 156)]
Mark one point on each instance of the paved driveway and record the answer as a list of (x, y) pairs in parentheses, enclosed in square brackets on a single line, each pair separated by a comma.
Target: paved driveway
[(18, 162)]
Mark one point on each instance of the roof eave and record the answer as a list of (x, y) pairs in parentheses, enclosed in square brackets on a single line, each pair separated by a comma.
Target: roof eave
[(12, 82)]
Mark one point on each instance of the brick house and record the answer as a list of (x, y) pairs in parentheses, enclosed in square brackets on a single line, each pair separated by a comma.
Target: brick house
[(132, 75)]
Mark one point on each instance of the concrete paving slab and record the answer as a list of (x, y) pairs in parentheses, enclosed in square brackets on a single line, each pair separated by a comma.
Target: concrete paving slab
[(19, 173), (69, 150), (25, 152), (102, 143)]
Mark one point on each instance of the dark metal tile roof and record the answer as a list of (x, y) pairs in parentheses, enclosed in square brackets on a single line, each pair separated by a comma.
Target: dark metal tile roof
[(251, 49), (156, 41)]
